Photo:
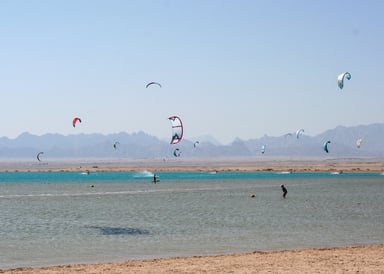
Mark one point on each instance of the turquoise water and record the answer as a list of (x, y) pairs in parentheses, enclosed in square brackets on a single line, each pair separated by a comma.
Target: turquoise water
[(59, 218)]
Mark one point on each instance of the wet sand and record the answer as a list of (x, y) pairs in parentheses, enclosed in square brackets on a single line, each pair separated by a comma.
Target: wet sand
[(356, 259)]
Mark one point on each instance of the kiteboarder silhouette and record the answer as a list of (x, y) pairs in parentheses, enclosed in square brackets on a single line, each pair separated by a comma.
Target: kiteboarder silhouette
[(285, 191), (155, 180)]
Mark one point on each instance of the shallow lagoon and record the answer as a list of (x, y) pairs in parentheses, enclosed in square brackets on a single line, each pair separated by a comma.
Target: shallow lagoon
[(59, 218)]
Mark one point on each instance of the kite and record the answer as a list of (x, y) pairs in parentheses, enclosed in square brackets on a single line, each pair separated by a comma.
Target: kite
[(262, 149), (299, 132), (38, 156), (325, 146), (153, 83), (177, 152), (177, 129), (359, 142), (115, 145), (75, 120), (341, 77)]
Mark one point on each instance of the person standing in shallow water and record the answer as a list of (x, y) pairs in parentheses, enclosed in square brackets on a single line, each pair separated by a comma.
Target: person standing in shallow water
[(155, 179), (285, 191)]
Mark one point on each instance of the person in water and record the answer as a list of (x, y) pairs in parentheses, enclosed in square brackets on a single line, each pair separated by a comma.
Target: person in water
[(154, 178), (285, 191)]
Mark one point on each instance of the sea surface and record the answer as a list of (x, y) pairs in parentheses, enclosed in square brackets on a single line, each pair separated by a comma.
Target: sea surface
[(56, 218)]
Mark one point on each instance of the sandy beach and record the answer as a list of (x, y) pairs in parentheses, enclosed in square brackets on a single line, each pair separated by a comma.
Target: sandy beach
[(354, 259), (208, 164)]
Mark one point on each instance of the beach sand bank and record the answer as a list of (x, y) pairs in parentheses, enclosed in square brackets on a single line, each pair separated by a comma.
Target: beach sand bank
[(356, 259), (200, 165)]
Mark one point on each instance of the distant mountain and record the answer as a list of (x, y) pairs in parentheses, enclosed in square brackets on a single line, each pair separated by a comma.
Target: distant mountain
[(342, 143), (207, 139), (140, 145)]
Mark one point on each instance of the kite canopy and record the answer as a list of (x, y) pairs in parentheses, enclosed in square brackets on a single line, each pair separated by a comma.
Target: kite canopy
[(359, 142), (341, 77), (299, 132), (115, 144), (38, 156), (325, 146), (195, 144), (153, 83), (75, 120), (177, 152), (177, 129)]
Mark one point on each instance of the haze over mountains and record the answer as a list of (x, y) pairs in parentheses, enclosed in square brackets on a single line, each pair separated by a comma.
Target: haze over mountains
[(143, 146)]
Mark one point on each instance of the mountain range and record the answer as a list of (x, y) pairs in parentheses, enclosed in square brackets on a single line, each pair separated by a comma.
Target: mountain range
[(140, 145)]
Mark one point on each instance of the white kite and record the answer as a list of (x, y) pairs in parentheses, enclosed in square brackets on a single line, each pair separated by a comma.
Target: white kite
[(177, 129), (341, 77)]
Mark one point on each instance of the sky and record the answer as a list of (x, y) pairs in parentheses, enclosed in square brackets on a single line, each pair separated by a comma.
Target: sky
[(228, 68)]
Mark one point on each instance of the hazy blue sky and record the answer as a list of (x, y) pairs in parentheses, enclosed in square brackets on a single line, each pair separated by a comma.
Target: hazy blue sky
[(228, 68)]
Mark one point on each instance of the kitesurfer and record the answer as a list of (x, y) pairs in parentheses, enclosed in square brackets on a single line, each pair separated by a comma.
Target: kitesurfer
[(155, 179), (285, 191)]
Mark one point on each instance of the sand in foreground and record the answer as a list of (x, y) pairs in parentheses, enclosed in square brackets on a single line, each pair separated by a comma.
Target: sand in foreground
[(357, 259)]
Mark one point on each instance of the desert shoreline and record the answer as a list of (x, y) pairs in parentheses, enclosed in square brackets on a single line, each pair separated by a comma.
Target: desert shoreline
[(199, 165), (349, 259)]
